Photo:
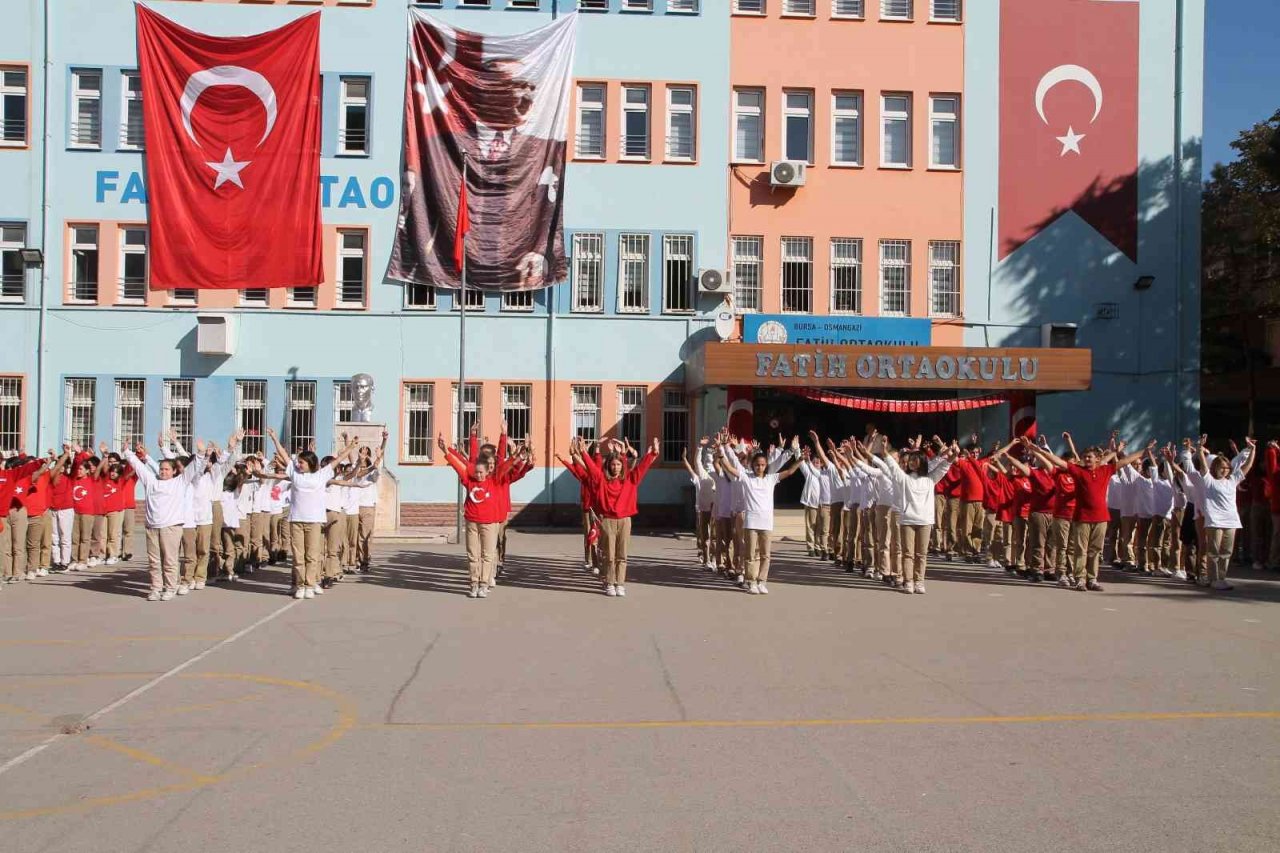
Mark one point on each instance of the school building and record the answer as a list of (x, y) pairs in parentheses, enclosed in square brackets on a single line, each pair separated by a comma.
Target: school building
[(848, 169)]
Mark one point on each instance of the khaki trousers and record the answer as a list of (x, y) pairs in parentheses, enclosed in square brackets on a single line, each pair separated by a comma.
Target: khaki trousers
[(98, 539), (1220, 542), (589, 550), (6, 551), (1157, 556), (817, 520), (1019, 556), (1000, 540), (888, 547), (615, 535), (308, 552), (162, 556), (278, 533), (335, 538), (13, 560), (915, 550), (1202, 548), (1140, 543), (1090, 537), (1059, 543), (204, 543), (869, 548), (126, 532), (835, 537), (82, 538), (953, 518), (940, 523), (482, 552), (115, 533), (364, 536), (502, 542), (1173, 541), (969, 534), (231, 551), (1040, 523), (188, 561), (758, 555), (723, 543), (739, 543), (1124, 540), (852, 526), (353, 536), (216, 546), (39, 542), (259, 534), (702, 532)]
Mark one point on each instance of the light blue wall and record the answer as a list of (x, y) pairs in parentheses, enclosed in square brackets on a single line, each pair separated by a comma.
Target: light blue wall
[(1063, 273)]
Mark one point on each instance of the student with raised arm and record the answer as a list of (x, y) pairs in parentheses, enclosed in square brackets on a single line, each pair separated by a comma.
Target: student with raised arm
[(757, 489), (914, 478), (576, 467), (816, 498), (371, 463), (1221, 516), (166, 491), (615, 492), (704, 501), (483, 511)]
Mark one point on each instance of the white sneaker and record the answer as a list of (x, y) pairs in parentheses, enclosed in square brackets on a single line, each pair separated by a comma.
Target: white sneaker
[(1165, 573), (742, 579), (30, 576), (586, 567), (93, 563), (493, 584), (994, 564), (1064, 580), (711, 565), (309, 592), (299, 593), (611, 590), (764, 590), (474, 592), (315, 590), (183, 589), (111, 561), (1222, 585), (909, 587), (199, 585), (43, 573), (167, 595), (595, 570), (1180, 575), (919, 587), (154, 595), (753, 588), (875, 576), (484, 591), (621, 590)]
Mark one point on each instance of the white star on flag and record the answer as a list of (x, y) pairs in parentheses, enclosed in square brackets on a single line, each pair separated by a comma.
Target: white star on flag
[(433, 94), (1070, 142), (228, 170)]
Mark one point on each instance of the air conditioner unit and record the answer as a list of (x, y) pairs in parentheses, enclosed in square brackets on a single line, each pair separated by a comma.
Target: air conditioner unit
[(712, 281), (787, 173), (215, 334), (1058, 335)]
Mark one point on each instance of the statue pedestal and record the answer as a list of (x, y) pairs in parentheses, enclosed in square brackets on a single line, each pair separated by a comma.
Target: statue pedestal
[(370, 435)]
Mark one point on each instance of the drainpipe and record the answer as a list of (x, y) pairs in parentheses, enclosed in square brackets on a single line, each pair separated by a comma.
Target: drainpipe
[(1178, 215), (44, 236)]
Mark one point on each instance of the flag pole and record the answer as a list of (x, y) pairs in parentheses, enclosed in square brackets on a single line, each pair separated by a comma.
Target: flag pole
[(462, 344)]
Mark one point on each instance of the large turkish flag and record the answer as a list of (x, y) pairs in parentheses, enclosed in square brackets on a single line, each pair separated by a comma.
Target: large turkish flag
[(232, 154), (1069, 118)]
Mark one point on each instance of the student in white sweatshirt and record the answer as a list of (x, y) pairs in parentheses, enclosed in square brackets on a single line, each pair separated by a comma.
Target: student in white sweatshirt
[(231, 515), (757, 491), (1221, 517), (816, 500), (166, 496), (914, 479), (704, 486)]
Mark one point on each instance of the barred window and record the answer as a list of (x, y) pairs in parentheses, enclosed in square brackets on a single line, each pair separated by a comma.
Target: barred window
[(847, 9), (300, 423), (798, 7), (471, 297), (13, 272), (10, 414), (586, 412), (130, 412), (84, 263), (591, 121), (682, 6), (13, 105), (353, 115), (682, 124), (677, 273), (343, 402), (635, 122), (300, 297), (418, 432), (183, 296), (797, 274), (944, 131), (846, 275), (748, 7), (895, 10), (251, 414), (895, 277), (470, 408), (131, 134), (80, 400), (422, 296), (179, 412), (846, 128), (748, 270), (517, 411), (86, 108), (944, 10), (133, 266), (588, 272), (944, 278), (675, 424), (633, 273), (517, 300), (351, 268), (256, 297), (631, 399)]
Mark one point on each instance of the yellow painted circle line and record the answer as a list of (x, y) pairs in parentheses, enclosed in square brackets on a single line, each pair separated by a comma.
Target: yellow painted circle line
[(346, 721)]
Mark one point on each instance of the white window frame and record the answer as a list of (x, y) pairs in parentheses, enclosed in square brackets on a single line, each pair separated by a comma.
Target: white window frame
[(588, 273), (11, 256), (750, 7), (517, 301), (127, 249), (593, 5), (936, 117), (81, 95), (80, 399), (346, 253), (245, 404), (299, 413), (849, 10), (944, 259), (12, 429), (345, 100), (517, 404), (633, 260), (675, 402), (418, 407), (677, 252), (343, 401), (74, 285), (524, 4), (130, 404), (128, 97), (252, 301), (632, 407), (846, 114), (637, 5), (584, 400), (887, 263), (473, 408), (179, 397), (799, 8), (747, 258), (956, 18), (673, 110), (583, 147), (886, 116), (682, 7), (475, 300), (7, 91), (302, 297), (183, 297), (739, 113), (887, 13), (426, 290), (790, 112), (628, 109), (846, 257), (788, 247)]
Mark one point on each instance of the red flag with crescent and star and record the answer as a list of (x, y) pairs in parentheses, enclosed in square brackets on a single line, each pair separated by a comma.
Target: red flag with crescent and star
[(1069, 118), (232, 129)]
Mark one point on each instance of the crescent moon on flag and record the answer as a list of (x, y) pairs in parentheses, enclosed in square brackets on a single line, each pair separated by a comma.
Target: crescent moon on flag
[(1064, 74), (474, 499), (741, 406), (1026, 413), (79, 493), (228, 75)]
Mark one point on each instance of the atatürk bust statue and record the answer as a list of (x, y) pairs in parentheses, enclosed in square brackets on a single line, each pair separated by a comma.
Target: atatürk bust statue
[(362, 398)]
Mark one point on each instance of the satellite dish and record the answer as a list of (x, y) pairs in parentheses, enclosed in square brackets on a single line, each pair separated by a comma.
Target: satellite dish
[(726, 324)]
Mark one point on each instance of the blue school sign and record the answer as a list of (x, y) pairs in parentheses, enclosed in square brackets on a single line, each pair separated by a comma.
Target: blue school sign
[(863, 331)]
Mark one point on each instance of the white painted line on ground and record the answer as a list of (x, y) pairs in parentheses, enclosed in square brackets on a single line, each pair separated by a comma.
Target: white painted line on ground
[(995, 595), (1111, 610), (138, 691), (1253, 621)]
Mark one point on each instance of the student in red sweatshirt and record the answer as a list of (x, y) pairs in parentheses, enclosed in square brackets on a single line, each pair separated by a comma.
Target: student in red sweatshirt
[(615, 489), (971, 474), (39, 542), (590, 558), (483, 511), (62, 510), (15, 481), (1044, 492), (86, 500)]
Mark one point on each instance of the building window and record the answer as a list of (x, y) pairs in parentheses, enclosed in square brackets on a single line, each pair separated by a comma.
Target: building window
[(133, 266), (631, 400), (251, 414), (256, 297), (179, 411), (682, 132), (474, 4), (846, 129), (895, 128), (86, 108), (593, 5), (300, 414), (302, 297), (79, 411), (944, 10), (797, 274), (351, 269), (588, 272), (522, 4), (944, 278), (11, 430), (675, 425), (84, 263), (944, 131), (183, 296), (748, 7), (846, 275), (517, 411), (682, 6), (895, 277), (677, 273), (470, 408), (633, 273), (13, 105), (472, 298), (895, 10), (797, 126), (421, 296), (13, 272), (517, 300), (589, 142), (637, 5), (635, 122), (131, 135), (343, 403), (586, 412), (748, 271), (798, 7), (130, 412), (847, 9), (748, 125), (418, 433), (353, 115)]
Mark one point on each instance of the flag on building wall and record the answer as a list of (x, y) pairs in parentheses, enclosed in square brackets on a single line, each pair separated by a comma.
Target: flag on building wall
[(1069, 118), (232, 154), (502, 104)]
